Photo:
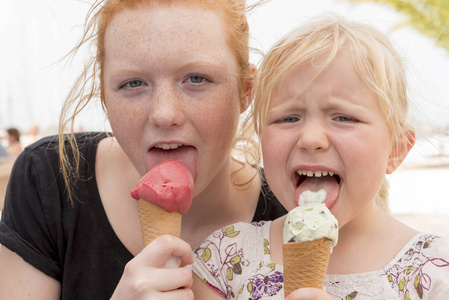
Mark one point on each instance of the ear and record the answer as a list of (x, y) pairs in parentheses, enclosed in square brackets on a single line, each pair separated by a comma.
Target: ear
[(397, 156), (248, 88)]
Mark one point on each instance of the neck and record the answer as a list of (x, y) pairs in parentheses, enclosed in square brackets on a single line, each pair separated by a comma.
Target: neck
[(369, 242)]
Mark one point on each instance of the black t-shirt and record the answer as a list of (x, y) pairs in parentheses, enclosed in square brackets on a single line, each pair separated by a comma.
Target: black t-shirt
[(73, 243)]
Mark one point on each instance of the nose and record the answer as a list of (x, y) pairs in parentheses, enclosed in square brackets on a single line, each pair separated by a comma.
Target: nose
[(166, 108), (313, 137)]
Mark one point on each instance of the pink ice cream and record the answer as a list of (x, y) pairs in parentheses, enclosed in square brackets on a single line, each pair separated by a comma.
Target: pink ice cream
[(169, 184)]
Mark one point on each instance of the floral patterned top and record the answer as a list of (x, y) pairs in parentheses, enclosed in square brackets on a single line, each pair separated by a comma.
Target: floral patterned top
[(235, 261)]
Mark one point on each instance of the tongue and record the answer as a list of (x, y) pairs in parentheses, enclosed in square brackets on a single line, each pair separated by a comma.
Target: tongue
[(187, 155), (323, 189)]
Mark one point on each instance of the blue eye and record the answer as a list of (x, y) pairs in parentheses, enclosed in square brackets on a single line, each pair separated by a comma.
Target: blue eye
[(344, 119), (196, 79), (133, 84), (289, 120)]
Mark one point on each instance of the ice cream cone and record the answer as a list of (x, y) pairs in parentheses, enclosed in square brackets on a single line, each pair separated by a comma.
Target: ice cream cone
[(305, 264), (156, 221)]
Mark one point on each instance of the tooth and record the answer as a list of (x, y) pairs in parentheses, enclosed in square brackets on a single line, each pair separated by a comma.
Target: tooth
[(309, 173), (324, 173), (331, 173), (317, 174)]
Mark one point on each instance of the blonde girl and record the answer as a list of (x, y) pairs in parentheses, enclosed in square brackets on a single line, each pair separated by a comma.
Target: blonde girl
[(331, 111)]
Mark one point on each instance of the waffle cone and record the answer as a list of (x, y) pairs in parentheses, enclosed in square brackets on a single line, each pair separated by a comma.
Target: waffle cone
[(156, 221), (305, 264)]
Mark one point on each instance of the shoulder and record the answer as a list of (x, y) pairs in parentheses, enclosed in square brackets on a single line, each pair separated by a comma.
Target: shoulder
[(48, 147), (37, 169), (49, 142), (44, 154), (432, 247), (422, 267), (232, 241), (218, 242), (229, 256), (237, 232), (424, 244), (36, 172)]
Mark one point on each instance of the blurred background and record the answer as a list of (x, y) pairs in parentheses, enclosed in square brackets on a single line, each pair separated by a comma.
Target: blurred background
[(35, 79)]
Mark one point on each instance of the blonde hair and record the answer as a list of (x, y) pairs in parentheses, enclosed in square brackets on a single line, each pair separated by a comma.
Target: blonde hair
[(88, 86), (376, 61)]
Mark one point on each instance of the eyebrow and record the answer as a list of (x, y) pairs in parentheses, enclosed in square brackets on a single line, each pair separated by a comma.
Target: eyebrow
[(333, 102), (191, 64), (201, 64)]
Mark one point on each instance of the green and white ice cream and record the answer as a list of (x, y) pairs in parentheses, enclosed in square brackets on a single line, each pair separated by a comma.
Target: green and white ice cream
[(310, 222)]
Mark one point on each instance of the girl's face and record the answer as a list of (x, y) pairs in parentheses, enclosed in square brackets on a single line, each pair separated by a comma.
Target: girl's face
[(333, 124), (171, 88)]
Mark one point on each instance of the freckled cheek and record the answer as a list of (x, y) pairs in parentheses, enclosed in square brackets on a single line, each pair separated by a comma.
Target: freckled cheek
[(218, 124), (122, 115), (218, 117)]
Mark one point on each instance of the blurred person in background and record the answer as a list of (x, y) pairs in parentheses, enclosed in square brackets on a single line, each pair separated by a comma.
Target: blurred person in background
[(14, 147), (3, 137), (3, 152)]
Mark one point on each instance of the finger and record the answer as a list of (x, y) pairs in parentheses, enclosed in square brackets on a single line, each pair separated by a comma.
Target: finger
[(162, 248), (163, 280)]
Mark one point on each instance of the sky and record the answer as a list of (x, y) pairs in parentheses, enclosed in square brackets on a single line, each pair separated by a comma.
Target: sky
[(36, 34)]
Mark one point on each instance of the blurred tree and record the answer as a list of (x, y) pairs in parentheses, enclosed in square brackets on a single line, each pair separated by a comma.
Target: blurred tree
[(430, 17)]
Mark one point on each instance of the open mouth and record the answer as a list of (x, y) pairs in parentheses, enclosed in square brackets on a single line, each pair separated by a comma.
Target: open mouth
[(184, 153), (301, 175), (171, 151), (316, 187)]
